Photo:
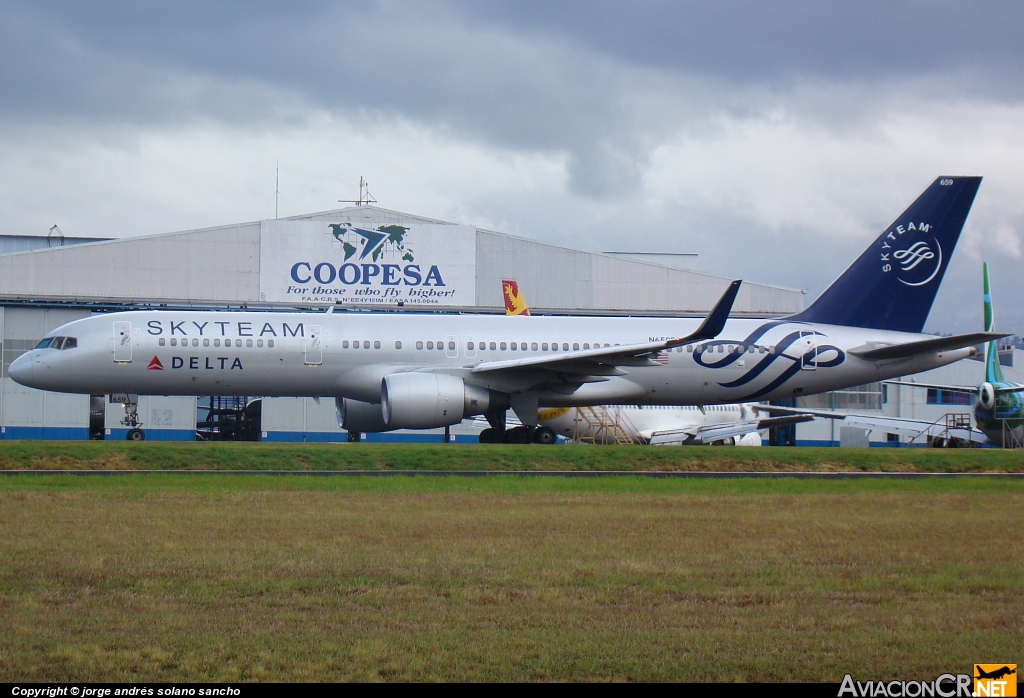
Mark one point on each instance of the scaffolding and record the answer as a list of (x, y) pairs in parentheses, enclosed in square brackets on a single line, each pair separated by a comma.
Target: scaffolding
[(602, 425), (940, 432), (1013, 435), (228, 418)]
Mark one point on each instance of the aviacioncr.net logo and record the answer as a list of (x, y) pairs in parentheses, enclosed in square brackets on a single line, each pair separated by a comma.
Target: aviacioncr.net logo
[(372, 243)]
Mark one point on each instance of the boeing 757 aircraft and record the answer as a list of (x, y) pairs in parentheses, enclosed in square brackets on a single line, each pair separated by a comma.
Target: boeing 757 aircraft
[(422, 371)]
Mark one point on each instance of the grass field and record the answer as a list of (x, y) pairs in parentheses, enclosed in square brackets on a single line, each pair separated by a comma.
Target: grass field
[(175, 577), (98, 455)]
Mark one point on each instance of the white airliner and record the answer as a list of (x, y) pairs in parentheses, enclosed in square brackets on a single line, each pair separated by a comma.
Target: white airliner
[(411, 371), (661, 425)]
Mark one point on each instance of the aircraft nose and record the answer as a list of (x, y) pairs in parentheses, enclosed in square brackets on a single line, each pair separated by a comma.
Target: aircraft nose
[(21, 370)]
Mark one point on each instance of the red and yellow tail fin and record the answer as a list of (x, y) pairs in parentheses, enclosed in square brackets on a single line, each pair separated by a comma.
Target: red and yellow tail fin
[(514, 303)]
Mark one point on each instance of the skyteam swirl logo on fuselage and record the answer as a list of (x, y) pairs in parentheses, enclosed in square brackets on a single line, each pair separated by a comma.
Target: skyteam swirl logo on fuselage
[(815, 356)]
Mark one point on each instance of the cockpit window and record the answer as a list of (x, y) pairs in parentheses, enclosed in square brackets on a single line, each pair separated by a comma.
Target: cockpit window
[(58, 343)]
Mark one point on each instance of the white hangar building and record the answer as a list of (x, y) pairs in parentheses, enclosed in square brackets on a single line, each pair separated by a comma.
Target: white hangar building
[(362, 259)]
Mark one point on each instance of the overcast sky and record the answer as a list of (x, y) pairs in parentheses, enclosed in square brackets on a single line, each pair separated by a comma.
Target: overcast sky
[(774, 139)]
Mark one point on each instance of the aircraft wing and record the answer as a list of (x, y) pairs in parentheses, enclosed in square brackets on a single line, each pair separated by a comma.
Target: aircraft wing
[(717, 432), (894, 425), (876, 351), (958, 388), (602, 361)]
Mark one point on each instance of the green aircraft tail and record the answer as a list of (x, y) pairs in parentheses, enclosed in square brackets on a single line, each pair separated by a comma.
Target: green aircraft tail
[(993, 373)]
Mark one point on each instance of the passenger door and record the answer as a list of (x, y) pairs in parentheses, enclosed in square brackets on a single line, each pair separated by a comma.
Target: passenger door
[(808, 345), (122, 342), (313, 346)]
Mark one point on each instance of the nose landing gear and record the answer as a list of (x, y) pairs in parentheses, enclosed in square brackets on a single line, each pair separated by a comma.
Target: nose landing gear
[(131, 416)]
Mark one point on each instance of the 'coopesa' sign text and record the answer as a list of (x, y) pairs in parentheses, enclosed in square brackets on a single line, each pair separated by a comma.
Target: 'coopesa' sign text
[(366, 274)]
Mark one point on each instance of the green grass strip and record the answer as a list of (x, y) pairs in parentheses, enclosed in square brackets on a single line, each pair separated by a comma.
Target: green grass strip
[(103, 455), (142, 484)]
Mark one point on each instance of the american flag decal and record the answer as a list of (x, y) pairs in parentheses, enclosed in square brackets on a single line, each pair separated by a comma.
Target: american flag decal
[(661, 358)]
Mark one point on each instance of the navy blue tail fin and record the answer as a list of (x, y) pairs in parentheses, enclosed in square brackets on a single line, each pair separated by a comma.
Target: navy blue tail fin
[(893, 284)]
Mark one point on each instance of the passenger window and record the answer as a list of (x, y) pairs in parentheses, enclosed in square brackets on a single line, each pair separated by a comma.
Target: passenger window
[(586, 346), (470, 345), (493, 346), (376, 344), (451, 345), (440, 346), (216, 342), (503, 346), (565, 346), (195, 342), (430, 345), (259, 342), (533, 346), (398, 344), (162, 341), (544, 346), (575, 346), (270, 343), (174, 342), (206, 342), (344, 344), (248, 342), (366, 344), (419, 345)]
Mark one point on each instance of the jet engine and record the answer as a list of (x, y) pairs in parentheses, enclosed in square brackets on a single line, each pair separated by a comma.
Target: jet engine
[(356, 416), (987, 396), (431, 400)]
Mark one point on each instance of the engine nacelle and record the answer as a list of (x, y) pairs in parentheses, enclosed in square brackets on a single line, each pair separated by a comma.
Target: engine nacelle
[(357, 416), (987, 396), (431, 400)]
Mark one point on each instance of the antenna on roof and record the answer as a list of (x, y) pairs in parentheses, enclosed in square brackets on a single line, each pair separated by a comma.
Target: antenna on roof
[(50, 236), (365, 197)]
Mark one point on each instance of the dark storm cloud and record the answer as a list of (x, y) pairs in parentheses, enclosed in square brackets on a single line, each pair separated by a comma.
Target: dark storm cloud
[(597, 80)]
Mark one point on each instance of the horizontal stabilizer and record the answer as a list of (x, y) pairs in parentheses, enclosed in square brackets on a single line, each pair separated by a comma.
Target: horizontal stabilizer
[(877, 352)]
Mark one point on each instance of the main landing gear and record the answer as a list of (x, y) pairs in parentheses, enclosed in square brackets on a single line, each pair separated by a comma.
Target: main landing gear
[(497, 434)]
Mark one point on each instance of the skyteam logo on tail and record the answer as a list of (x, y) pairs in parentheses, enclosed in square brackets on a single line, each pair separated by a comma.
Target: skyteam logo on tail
[(913, 252)]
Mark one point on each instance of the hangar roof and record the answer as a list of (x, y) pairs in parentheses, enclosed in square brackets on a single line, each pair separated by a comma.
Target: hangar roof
[(220, 266)]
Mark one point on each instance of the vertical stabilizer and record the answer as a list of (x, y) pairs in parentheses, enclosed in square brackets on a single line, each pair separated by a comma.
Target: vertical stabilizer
[(892, 285), (514, 302), (993, 373)]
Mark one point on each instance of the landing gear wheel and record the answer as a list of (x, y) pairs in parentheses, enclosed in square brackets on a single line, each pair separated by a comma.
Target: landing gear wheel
[(490, 436), (544, 435), (519, 435), (353, 437), (136, 435)]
